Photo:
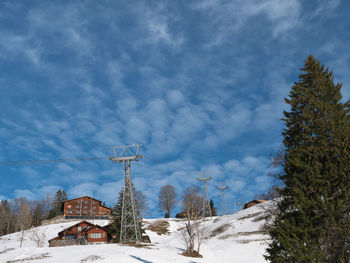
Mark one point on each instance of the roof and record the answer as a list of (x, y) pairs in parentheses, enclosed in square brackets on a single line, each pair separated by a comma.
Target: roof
[(94, 226), (109, 208), (55, 238), (253, 202), (76, 225), (82, 198), (256, 201)]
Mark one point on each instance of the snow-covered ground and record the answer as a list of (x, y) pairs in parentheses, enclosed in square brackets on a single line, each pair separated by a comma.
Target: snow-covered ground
[(232, 238)]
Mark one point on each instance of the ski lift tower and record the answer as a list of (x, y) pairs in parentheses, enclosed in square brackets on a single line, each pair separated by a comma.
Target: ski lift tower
[(205, 195), (223, 200), (129, 231)]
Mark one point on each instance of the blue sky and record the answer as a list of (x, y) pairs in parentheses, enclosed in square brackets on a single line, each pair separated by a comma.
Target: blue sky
[(201, 84)]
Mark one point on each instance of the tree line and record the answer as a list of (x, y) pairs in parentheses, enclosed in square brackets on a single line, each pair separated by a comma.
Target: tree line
[(191, 202), (21, 213)]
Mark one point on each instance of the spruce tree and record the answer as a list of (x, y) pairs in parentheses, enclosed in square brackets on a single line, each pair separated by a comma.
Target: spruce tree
[(212, 208), (57, 204), (312, 222), (115, 222)]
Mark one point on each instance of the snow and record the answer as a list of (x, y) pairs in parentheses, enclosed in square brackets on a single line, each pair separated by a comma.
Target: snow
[(233, 238)]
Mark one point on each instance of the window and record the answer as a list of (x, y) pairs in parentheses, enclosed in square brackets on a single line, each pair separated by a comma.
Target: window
[(86, 202), (79, 228), (86, 207), (94, 207), (96, 235), (70, 212), (77, 206)]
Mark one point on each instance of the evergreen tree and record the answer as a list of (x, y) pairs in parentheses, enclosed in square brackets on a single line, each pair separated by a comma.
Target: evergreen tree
[(312, 222), (116, 214), (212, 208), (57, 204), (115, 222)]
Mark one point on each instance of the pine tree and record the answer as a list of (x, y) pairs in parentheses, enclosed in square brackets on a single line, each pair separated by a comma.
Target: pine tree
[(116, 214), (58, 201), (115, 222), (212, 208), (312, 222)]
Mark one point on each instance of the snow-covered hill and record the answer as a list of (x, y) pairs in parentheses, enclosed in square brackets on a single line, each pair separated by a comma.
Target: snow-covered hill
[(233, 238)]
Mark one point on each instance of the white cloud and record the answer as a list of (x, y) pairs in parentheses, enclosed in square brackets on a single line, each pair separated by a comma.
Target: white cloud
[(82, 189), (25, 193), (175, 98), (229, 17), (326, 8), (159, 28)]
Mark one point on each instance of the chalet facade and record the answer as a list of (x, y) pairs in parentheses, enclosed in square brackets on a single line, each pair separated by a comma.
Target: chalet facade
[(85, 207), (82, 233)]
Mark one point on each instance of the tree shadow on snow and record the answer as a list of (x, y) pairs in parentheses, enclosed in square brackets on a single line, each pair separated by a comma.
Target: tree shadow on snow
[(141, 259)]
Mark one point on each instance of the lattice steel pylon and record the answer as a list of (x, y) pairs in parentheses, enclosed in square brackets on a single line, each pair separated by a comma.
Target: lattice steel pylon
[(224, 210), (206, 204), (130, 230)]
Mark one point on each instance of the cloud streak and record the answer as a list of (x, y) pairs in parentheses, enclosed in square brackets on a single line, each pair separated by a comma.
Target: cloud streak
[(200, 85)]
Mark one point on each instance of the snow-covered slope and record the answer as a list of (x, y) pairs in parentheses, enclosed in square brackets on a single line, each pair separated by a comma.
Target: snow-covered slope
[(233, 238)]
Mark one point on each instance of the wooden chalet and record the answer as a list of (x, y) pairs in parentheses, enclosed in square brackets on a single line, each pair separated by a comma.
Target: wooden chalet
[(251, 203), (82, 233), (85, 207)]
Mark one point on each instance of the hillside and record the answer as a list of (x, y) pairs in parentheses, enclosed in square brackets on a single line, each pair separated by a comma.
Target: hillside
[(233, 238)]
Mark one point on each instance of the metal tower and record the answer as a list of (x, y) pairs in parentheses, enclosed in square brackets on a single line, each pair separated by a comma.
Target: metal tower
[(240, 203), (206, 204), (223, 200), (129, 231)]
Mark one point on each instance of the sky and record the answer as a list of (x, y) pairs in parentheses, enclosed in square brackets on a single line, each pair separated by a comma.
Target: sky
[(200, 84)]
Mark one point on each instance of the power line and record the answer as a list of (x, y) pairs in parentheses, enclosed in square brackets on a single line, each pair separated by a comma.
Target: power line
[(52, 161)]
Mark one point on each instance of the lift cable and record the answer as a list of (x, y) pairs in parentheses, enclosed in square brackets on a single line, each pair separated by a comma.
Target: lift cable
[(52, 161)]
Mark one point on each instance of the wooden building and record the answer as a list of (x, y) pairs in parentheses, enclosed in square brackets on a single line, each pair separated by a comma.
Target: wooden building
[(85, 207), (251, 203), (82, 233)]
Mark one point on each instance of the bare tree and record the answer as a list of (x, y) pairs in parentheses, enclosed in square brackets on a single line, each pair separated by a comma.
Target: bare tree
[(192, 202), (142, 203), (5, 218), (192, 234), (37, 212), (200, 232), (22, 210), (167, 199), (39, 237), (47, 204), (193, 231)]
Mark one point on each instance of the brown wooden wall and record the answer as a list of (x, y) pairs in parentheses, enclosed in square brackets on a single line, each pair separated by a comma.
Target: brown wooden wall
[(85, 206), (97, 230)]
